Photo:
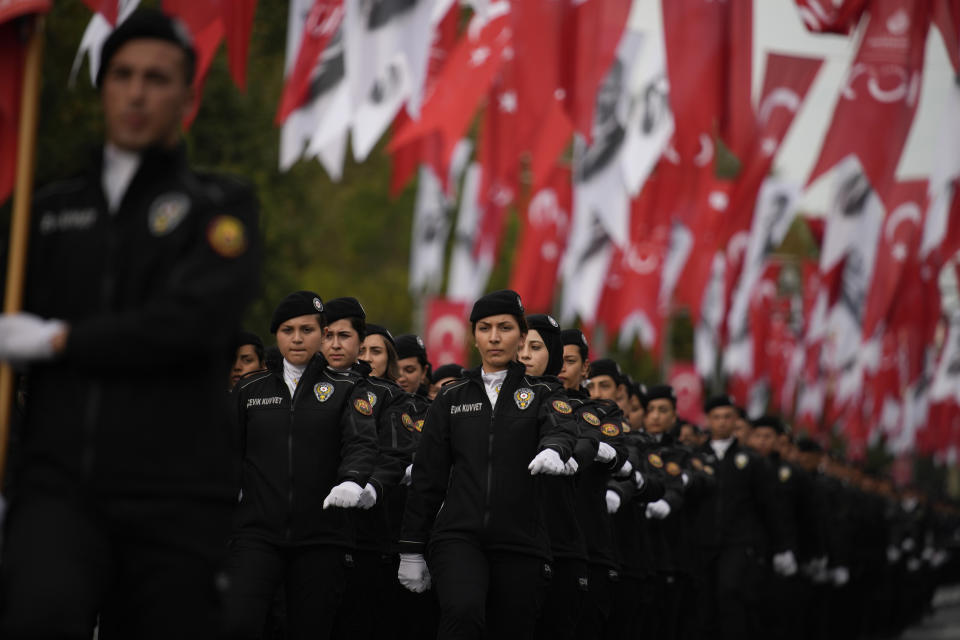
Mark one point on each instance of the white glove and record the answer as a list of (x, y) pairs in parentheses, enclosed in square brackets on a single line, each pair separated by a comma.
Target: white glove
[(368, 498), (547, 461), (413, 573), (785, 564), (571, 467), (25, 337), (841, 576), (407, 476), (908, 545), (684, 479), (893, 554), (605, 453), (625, 470), (638, 480), (658, 510), (346, 494), (913, 564), (613, 501)]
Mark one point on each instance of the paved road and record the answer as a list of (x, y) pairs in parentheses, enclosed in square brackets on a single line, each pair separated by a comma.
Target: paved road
[(944, 624)]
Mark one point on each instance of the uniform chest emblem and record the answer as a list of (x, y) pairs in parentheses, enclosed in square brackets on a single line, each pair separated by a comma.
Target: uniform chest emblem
[(372, 398), (559, 406), (523, 397), (673, 468), (741, 460), (418, 425), (363, 407), (323, 391), (227, 236), (655, 460), (166, 212), (590, 418), (407, 421), (609, 429), (784, 473)]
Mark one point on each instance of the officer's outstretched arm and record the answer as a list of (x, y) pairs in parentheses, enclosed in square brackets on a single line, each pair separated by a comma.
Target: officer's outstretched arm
[(431, 473)]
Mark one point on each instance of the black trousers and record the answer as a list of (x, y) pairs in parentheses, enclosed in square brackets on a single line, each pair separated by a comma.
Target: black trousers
[(598, 603), (728, 606), (313, 579), (370, 580), (628, 606), (416, 616), (486, 594), (564, 600), (148, 567)]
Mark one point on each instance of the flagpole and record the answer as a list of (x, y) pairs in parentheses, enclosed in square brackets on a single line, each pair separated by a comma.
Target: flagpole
[(20, 220)]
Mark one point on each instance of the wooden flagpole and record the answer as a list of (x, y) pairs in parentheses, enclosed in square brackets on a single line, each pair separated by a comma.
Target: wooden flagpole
[(20, 220)]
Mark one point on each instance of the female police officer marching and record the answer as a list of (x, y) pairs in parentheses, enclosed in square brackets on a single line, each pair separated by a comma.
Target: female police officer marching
[(309, 446), (475, 496)]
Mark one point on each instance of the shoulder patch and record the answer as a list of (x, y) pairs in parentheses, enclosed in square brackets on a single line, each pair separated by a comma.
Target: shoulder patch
[(610, 429), (363, 407), (708, 469), (562, 407), (418, 425), (227, 236), (407, 421), (673, 468), (741, 460), (696, 463), (784, 473), (590, 418), (655, 460), (625, 426)]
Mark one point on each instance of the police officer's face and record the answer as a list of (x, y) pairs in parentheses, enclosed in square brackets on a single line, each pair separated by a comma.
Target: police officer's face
[(742, 430), (661, 415), (436, 386), (412, 374), (145, 94), (299, 339), (245, 361), (498, 340), (341, 344), (602, 388), (636, 413), (763, 440), (721, 422), (688, 436), (534, 354), (574, 369), (373, 351)]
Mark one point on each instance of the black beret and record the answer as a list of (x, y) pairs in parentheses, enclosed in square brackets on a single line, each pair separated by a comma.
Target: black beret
[(807, 445), (576, 337), (770, 422), (718, 401), (411, 345), (639, 390), (149, 24), (299, 303), (661, 392), (451, 370), (380, 330), (248, 337), (492, 304), (549, 330), (742, 412), (340, 308), (606, 367)]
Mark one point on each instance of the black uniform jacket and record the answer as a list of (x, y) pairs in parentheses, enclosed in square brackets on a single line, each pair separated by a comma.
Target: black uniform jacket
[(296, 450), (153, 294), (470, 476)]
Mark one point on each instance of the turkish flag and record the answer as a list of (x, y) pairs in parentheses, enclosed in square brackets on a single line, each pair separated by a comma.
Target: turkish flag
[(830, 16), (898, 245), (107, 8), (447, 332), (946, 16), (688, 386), (543, 239), (238, 25), (880, 94), (319, 28)]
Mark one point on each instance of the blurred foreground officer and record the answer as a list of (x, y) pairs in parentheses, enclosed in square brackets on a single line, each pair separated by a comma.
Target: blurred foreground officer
[(476, 496), (140, 270)]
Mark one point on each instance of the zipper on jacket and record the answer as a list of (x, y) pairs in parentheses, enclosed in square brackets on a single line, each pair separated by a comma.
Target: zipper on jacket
[(293, 402), (493, 417)]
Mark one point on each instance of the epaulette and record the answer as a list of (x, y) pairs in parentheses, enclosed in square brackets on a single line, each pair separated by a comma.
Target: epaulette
[(450, 386)]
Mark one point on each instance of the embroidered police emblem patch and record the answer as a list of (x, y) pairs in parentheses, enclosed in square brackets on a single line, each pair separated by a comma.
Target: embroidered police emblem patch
[(697, 464), (673, 468), (590, 418), (708, 469), (407, 421), (362, 406), (227, 236), (418, 425), (523, 397), (655, 460), (318, 305), (741, 460), (610, 429), (784, 473), (323, 391), (372, 398), (166, 212), (561, 407)]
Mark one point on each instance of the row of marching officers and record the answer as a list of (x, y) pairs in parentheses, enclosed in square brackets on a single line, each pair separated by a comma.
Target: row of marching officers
[(541, 495)]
